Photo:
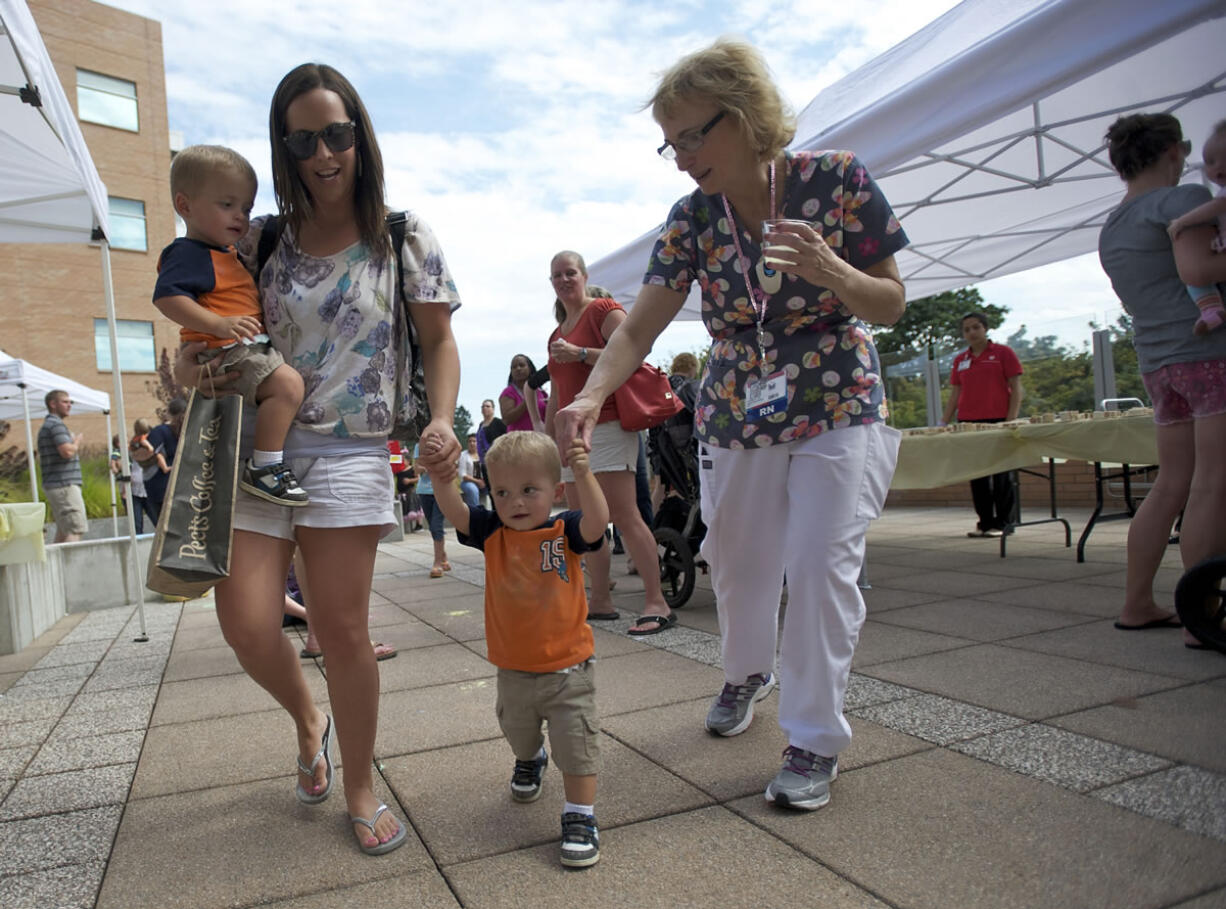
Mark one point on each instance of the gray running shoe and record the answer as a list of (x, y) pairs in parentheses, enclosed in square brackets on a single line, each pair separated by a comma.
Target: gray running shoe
[(804, 782), (732, 711), (526, 778)]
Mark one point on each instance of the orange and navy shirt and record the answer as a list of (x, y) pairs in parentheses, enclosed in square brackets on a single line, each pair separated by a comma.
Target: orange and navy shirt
[(535, 607), (211, 276)]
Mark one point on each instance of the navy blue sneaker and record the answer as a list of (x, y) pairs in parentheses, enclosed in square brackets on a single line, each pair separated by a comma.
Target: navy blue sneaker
[(526, 778), (580, 840)]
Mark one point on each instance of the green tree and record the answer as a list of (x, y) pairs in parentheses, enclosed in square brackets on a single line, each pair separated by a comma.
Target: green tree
[(463, 423), (935, 320)]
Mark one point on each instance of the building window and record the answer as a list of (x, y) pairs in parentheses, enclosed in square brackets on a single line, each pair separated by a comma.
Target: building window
[(107, 100), (134, 341), (127, 217)]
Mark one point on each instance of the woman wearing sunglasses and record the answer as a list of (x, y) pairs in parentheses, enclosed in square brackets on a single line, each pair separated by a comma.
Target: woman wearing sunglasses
[(325, 292), (795, 456)]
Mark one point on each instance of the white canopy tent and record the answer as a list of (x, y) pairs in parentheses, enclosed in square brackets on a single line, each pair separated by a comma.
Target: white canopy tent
[(985, 129), (23, 387), (50, 191)]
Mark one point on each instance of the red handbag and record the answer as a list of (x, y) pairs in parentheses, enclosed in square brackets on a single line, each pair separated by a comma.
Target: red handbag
[(645, 399)]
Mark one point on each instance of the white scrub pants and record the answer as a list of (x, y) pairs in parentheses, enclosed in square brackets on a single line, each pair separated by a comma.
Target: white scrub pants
[(799, 509)]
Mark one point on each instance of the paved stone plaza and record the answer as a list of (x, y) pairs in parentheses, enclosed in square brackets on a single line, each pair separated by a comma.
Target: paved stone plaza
[(1012, 750)]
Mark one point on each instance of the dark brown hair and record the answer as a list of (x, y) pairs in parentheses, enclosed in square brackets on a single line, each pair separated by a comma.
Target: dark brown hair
[(1135, 142), (292, 197)]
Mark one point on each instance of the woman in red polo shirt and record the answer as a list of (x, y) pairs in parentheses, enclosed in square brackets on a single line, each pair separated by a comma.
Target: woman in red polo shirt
[(987, 388)]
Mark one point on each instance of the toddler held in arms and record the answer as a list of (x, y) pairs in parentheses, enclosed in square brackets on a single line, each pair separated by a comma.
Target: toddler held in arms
[(1208, 299), (204, 287)]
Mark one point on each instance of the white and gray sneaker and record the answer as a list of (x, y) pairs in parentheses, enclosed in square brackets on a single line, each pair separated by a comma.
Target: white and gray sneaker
[(275, 483), (804, 782), (732, 711)]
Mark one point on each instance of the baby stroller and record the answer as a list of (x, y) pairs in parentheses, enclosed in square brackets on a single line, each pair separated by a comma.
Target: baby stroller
[(1201, 602), (678, 527)]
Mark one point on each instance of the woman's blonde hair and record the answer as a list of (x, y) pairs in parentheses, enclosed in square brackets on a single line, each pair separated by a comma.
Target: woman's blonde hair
[(559, 311), (733, 75)]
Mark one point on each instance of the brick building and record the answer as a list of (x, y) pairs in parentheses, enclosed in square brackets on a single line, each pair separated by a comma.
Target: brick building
[(52, 306)]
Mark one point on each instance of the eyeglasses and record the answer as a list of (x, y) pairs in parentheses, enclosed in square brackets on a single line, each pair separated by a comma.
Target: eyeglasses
[(689, 142), (338, 137)]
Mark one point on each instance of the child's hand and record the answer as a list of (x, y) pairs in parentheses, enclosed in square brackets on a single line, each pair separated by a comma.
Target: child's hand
[(577, 458), (431, 443), (445, 473), (239, 327)]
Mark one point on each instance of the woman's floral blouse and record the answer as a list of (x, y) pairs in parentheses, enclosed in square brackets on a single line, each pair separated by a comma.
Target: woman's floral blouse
[(833, 372), (330, 317)]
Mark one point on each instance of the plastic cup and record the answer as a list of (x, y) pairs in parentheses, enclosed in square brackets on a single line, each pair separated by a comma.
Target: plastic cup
[(781, 254)]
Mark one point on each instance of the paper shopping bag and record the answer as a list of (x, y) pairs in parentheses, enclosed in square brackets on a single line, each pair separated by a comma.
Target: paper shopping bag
[(191, 551)]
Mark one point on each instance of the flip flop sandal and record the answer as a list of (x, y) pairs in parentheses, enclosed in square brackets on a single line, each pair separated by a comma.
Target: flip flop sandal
[(310, 654), (446, 566), (661, 622), (388, 650), (379, 848), (611, 616), (1170, 621), (436, 573), (323, 754)]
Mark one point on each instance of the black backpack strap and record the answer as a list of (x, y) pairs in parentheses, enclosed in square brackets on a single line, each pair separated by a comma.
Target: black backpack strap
[(270, 232), (397, 226)]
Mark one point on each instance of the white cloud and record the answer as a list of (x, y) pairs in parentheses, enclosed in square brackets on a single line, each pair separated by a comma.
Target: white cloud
[(515, 129)]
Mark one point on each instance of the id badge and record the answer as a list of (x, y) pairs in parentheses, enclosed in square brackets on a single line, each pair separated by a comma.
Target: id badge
[(764, 397)]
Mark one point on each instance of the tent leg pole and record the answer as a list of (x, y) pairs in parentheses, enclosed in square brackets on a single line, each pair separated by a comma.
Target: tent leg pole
[(111, 474), (137, 575), (25, 402)]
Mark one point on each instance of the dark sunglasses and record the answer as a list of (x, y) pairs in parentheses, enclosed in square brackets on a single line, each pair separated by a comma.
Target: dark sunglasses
[(338, 137)]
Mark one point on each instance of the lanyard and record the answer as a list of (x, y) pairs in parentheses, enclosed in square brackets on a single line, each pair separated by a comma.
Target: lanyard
[(757, 295)]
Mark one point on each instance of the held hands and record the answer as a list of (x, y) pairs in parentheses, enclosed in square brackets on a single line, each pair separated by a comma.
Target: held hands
[(810, 256), (439, 451), (577, 459), (574, 423)]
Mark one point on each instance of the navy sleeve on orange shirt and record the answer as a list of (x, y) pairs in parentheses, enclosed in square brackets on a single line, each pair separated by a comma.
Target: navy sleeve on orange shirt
[(185, 269)]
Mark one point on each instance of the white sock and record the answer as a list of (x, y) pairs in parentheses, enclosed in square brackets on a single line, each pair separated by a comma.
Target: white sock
[(572, 808), (265, 458)]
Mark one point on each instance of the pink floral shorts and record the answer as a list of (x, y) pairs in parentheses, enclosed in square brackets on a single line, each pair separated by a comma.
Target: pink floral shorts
[(1187, 391)]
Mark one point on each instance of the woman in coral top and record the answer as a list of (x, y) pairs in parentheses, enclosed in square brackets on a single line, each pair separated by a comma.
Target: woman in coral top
[(584, 327)]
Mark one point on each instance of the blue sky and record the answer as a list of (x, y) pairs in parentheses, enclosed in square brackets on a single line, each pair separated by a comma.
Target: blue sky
[(516, 129)]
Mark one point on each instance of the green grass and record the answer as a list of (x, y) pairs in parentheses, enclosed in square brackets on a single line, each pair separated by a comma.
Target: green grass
[(95, 486)]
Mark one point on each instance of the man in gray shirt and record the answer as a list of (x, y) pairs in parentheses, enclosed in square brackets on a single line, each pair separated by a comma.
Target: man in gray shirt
[(61, 469)]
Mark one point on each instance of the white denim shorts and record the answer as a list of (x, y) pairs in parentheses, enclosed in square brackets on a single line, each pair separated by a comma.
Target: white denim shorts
[(345, 491), (613, 449)]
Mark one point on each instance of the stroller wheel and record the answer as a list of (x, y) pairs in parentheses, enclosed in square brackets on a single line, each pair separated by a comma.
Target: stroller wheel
[(1201, 602), (676, 566)]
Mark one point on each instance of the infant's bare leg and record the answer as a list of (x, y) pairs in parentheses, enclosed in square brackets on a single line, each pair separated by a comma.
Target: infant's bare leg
[(279, 397)]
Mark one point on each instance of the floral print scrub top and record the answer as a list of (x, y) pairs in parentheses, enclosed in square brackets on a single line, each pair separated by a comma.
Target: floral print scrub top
[(330, 317), (832, 369)]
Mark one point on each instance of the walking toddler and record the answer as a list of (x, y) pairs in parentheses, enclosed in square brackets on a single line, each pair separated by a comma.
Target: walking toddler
[(536, 619)]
